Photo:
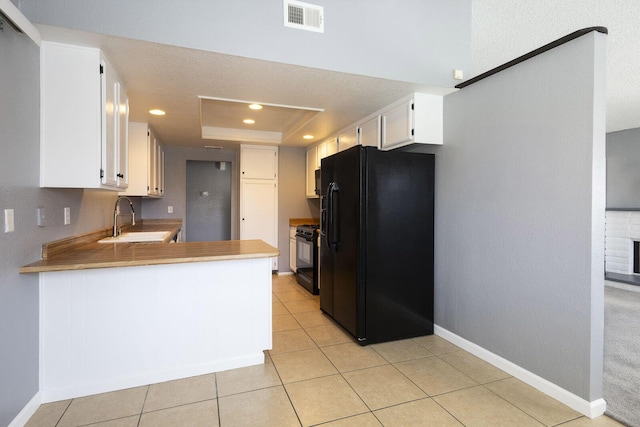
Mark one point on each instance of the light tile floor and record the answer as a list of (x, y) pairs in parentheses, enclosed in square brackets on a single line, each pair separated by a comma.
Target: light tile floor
[(317, 375)]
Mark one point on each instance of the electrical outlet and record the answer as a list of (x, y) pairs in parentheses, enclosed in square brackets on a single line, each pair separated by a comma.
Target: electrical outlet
[(169, 209), (42, 219), (8, 221), (67, 216)]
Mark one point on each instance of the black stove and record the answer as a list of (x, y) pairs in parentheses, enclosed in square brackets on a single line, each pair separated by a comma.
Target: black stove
[(307, 257)]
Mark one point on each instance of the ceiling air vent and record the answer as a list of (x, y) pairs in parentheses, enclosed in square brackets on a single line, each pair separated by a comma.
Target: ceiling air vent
[(303, 16)]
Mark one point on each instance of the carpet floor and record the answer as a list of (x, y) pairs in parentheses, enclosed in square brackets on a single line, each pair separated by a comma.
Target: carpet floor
[(621, 381)]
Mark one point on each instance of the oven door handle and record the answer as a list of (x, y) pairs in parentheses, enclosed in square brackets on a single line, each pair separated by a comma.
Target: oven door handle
[(333, 212)]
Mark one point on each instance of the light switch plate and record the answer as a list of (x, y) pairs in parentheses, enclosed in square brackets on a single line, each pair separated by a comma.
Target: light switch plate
[(42, 219), (8, 221), (67, 216)]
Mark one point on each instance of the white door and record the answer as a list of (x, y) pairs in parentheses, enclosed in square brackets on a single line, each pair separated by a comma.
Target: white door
[(259, 162), (259, 212)]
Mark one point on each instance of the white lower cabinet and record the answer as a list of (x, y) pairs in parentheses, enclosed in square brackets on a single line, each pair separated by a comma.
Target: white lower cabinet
[(114, 328), (292, 249)]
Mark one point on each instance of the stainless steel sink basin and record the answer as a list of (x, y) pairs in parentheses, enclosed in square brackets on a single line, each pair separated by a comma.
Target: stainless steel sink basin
[(137, 236)]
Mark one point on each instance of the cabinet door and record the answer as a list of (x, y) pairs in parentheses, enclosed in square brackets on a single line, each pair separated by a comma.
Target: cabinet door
[(321, 153), (331, 147), (138, 141), (123, 138), (326, 149), (160, 169), (71, 108), (312, 162), (109, 126), (369, 132), (259, 211), (348, 139), (292, 255), (397, 124), (259, 162), (152, 175)]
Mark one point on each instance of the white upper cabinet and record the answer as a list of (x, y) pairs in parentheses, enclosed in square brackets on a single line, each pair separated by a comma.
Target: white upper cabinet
[(369, 132), (312, 165), (325, 149), (146, 162), (123, 139), (330, 147), (315, 154), (259, 162), (83, 120), (416, 119), (348, 138)]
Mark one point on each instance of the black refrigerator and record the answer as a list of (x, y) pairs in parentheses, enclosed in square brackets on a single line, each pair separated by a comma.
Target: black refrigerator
[(376, 249)]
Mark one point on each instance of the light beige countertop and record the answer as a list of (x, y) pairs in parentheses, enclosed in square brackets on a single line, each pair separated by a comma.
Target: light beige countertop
[(83, 252)]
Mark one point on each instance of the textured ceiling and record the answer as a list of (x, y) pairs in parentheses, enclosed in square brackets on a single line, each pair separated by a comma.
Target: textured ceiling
[(503, 30), (173, 78)]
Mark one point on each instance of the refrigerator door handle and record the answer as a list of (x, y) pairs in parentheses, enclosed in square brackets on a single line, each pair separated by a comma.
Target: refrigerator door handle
[(333, 208)]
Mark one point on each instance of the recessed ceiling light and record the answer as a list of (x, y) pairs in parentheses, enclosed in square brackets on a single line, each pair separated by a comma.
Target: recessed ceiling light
[(249, 121), (308, 137), (255, 106), (157, 112)]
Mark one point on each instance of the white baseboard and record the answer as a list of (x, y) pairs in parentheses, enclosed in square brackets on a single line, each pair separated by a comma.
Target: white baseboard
[(589, 409), (27, 412), (285, 273), (62, 393)]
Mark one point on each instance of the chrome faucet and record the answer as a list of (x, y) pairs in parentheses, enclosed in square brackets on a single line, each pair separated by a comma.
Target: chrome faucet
[(116, 230)]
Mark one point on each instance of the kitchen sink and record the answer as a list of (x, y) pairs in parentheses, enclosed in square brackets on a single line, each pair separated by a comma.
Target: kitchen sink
[(137, 236)]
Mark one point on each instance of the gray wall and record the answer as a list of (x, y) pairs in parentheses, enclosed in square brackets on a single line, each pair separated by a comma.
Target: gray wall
[(175, 184), (19, 190), (208, 209), (419, 41), (520, 215), (623, 169)]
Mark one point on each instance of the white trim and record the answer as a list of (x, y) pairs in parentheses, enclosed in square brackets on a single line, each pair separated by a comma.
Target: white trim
[(19, 20), (243, 101), (285, 273), (87, 389), (27, 412), (241, 135), (589, 409)]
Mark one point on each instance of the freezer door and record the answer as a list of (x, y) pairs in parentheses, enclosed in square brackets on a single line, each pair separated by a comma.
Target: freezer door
[(341, 176)]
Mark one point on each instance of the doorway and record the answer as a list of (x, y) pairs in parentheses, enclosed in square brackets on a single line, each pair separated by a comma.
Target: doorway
[(208, 215)]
